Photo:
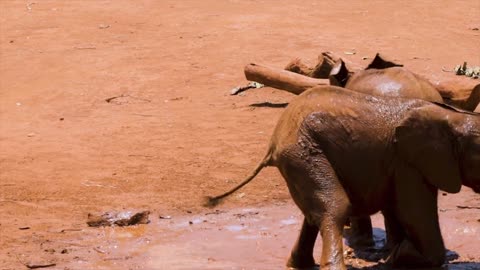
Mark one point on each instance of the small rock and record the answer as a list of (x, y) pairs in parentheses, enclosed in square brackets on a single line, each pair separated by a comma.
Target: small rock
[(165, 217), (119, 219)]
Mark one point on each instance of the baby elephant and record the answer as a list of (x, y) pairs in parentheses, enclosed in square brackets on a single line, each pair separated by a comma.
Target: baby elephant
[(343, 153)]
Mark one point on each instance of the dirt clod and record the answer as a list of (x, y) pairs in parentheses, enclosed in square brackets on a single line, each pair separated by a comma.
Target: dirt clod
[(119, 219)]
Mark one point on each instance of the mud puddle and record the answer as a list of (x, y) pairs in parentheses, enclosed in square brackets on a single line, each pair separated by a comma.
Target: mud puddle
[(248, 238)]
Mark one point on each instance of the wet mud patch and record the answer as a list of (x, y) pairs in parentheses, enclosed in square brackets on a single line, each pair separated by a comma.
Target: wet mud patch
[(248, 238)]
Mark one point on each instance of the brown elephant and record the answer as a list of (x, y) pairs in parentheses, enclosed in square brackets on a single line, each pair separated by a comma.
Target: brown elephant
[(343, 153), (387, 78), (382, 78)]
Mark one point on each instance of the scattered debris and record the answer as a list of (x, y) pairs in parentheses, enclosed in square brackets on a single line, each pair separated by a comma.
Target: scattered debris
[(86, 47), (243, 215), (103, 26), (350, 53), (70, 230), (239, 89), (119, 100), (35, 266), (29, 6), (216, 212), (473, 72), (467, 207), (93, 184), (165, 217), (119, 219), (99, 250), (444, 69), (269, 104)]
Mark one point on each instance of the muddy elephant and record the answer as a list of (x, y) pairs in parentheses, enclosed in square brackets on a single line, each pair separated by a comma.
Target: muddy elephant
[(344, 153), (380, 77), (383, 78)]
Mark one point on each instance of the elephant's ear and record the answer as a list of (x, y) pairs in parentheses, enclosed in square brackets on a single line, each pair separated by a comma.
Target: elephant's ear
[(427, 145), (339, 74), (380, 62)]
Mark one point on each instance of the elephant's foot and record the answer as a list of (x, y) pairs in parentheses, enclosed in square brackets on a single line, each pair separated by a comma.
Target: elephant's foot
[(360, 240), (301, 262), (406, 255), (360, 235)]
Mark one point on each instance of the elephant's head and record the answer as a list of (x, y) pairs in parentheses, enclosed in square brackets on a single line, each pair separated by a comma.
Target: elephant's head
[(340, 74), (443, 144)]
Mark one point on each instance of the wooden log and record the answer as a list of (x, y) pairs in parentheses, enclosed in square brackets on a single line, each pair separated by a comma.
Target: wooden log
[(321, 70), (281, 79), (460, 91), (332, 58)]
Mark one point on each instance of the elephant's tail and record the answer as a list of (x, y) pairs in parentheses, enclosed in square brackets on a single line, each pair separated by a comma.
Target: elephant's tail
[(213, 201)]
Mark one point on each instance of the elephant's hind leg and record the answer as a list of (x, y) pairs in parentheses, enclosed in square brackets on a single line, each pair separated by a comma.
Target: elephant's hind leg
[(317, 191), (302, 252)]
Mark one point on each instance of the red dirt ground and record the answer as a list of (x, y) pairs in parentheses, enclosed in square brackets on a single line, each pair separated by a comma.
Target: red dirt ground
[(174, 134)]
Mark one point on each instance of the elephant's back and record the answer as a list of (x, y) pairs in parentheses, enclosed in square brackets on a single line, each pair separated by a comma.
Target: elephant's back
[(336, 104), (393, 82)]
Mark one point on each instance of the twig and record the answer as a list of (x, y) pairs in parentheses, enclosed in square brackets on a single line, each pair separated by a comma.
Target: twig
[(35, 266), (444, 69), (123, 95), (467, 207), (85, 47), (115, 97), (70, 230), (99, 250)]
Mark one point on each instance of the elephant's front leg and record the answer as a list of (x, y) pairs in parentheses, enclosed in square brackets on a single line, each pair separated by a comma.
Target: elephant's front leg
[(416, 211), (302, 253)]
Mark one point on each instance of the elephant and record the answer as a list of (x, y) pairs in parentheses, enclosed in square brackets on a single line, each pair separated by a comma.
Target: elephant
[(343, 153), (387, 78), (381, 78), (384, 78)]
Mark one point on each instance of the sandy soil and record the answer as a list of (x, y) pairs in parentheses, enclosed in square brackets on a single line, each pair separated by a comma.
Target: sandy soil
[(173, 134)]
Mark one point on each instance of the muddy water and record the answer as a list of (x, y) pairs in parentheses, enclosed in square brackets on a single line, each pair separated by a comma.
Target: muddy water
[(252, 238)]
